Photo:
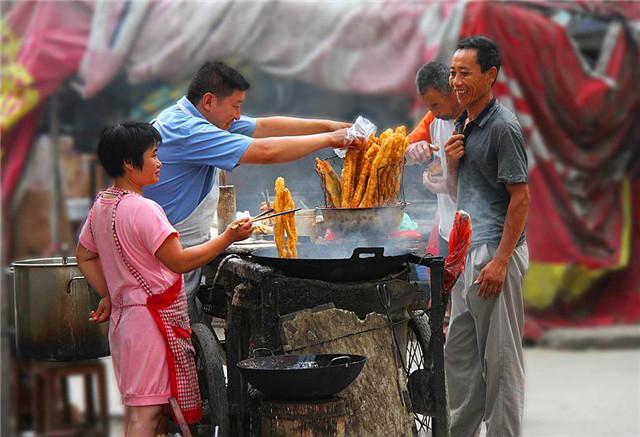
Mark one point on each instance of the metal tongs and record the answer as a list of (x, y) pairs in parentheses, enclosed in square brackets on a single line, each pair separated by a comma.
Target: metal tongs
[(267, 215)]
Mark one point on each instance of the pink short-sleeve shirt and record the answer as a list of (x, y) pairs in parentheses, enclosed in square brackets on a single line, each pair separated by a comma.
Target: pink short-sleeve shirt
[(137, 347)]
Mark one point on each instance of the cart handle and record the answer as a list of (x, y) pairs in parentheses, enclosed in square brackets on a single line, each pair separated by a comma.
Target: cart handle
[(252, 353)]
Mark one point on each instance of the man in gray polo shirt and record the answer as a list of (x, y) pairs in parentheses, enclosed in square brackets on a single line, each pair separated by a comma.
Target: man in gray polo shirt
[(487, 167)]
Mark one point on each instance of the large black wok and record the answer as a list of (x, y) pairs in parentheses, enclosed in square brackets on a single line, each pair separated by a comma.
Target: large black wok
[(338, 263), (302, 377)]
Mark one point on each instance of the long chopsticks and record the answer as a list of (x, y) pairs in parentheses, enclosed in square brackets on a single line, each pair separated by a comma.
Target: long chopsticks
[(262, 216), (289, 211), (263, 213)]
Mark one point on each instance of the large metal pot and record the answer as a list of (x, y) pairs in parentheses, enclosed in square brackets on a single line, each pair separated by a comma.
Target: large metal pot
[(380, 220), (52, 305)]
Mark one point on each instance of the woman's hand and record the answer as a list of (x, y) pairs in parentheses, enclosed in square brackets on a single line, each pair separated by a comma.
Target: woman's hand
[(239, 230), (103, 312)]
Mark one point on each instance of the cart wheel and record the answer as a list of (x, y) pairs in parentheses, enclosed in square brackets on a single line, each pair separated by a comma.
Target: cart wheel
[(210, 359), (431, 418)]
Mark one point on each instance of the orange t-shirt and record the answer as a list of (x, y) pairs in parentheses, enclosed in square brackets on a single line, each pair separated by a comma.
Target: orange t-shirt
[(421, 132)]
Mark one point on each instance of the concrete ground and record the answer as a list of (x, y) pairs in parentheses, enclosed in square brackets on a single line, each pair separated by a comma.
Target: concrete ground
[(581, 383), (590, 393)]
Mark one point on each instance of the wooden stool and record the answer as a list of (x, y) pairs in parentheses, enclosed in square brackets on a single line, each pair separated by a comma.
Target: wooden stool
[(50, 398), (322, 418)]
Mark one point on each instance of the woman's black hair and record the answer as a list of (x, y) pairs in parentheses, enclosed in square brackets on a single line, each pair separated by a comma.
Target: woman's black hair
[(125, 142)]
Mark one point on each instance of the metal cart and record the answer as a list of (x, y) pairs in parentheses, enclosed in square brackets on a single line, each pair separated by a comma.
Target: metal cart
[(251, 297)]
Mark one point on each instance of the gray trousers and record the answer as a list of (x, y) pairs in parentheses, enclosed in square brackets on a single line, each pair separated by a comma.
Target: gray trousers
[(483, 352)]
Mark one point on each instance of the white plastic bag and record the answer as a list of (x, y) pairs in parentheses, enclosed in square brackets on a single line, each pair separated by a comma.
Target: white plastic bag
[(359, 130)]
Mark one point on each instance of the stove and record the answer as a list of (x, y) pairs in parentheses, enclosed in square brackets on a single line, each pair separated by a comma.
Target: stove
[(252, 298)]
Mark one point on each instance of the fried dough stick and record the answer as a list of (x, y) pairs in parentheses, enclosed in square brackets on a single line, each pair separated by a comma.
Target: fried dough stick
[(278, 227), (284, 224), (349, 175), (364, 175), (375, 178), (291, 249), (331, 182), (396, 180), (390, 174)]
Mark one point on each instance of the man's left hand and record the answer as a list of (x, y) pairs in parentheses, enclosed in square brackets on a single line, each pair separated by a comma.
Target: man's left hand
[(491, 278)]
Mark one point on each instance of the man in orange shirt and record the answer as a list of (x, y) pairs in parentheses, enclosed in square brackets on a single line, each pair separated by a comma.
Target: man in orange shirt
[(429, 137)]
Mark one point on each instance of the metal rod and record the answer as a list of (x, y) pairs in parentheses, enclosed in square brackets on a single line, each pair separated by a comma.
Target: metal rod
[(438, 308), (54, 126), (182, 424), (266, 197)]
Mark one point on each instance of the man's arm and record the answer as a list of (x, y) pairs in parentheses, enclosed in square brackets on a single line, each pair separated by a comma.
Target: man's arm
[(492, 276), (284, 149), (420, 148), (288, 126)]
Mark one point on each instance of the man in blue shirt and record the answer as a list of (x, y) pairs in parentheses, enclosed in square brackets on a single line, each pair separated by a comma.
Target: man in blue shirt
[(203, 132)]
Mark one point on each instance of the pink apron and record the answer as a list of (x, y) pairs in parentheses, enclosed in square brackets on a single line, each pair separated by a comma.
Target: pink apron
[(169, 311)]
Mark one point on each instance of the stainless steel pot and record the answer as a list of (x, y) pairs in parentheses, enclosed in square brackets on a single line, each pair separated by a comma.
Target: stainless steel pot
[(52, 305), (380, 220)]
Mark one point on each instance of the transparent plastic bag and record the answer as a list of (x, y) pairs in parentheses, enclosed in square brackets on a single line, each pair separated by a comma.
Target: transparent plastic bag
[(361, 129)]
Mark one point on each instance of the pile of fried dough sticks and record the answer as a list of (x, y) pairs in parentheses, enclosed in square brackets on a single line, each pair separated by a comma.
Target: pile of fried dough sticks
[(371, 176)]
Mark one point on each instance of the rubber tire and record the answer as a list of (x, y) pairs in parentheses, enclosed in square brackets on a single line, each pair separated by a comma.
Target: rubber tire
[(210, 359), (420, 325)]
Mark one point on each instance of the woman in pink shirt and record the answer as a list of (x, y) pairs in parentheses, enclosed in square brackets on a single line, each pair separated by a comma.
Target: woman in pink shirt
[(132, 257)]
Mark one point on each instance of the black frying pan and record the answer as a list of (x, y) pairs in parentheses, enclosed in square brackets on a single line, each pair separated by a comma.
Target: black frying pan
[(338, 263), (302, 377)]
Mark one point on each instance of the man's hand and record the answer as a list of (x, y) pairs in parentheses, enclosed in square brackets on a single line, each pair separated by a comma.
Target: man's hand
[(454, 149), (339, 140), (435, 184), (420, 151), (103, 312), (491, 277)]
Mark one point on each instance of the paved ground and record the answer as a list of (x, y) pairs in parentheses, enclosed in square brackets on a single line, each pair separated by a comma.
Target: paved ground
[(582, 393), (593, 393)]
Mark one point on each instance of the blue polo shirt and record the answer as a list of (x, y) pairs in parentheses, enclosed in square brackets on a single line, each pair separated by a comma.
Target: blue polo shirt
[(191, 151)]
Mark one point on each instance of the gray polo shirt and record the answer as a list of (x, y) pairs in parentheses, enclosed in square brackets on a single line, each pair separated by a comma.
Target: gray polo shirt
[(494, 157)]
